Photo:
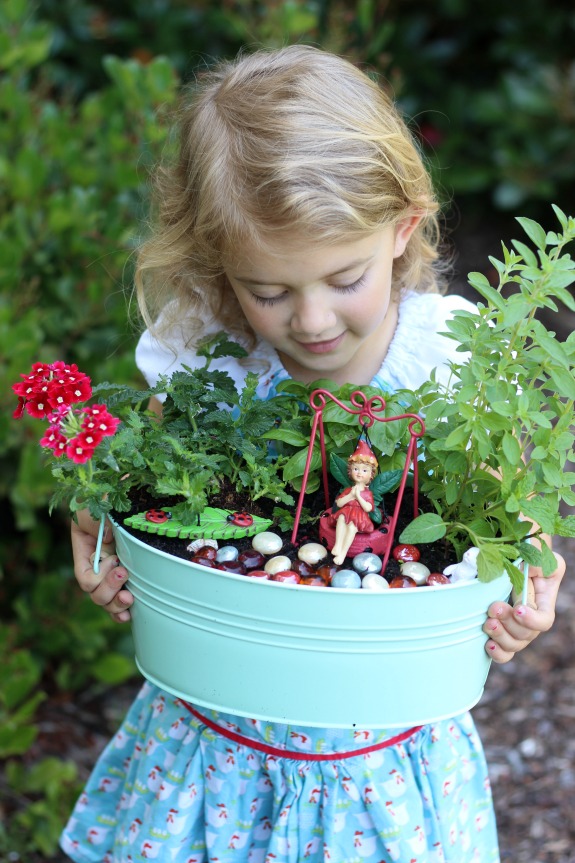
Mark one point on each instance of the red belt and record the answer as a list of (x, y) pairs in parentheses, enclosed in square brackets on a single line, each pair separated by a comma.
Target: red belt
[(299, 756)]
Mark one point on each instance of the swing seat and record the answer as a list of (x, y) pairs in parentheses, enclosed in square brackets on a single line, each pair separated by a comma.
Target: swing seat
[(377, 541)]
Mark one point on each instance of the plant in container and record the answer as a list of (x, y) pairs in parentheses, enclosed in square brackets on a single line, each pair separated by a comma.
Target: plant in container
[(491, 459)]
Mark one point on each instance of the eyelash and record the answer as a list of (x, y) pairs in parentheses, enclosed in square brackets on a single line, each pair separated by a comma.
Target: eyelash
[(354, 286), (342, 289)]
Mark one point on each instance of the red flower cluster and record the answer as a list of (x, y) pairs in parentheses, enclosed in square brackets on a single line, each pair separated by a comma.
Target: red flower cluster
[(49, 392)]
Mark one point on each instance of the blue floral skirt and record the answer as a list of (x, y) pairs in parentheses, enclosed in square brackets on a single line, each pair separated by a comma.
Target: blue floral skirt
[(174, 788)]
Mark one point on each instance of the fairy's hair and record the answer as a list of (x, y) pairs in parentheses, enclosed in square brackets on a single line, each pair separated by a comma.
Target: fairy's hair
[(294, 142)]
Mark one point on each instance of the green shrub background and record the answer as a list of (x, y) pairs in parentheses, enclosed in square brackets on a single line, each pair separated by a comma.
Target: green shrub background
[(85, 94)]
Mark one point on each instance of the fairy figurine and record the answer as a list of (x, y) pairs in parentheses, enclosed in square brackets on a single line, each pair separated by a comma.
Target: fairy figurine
[(355, 503)]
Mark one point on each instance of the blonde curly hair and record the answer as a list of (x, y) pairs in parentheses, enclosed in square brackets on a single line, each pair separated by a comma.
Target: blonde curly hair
[(295, 141)]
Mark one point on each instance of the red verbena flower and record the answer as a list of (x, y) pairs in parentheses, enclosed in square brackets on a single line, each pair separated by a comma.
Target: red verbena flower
[(67, 391), (54, 439), (50, 386), (79, 450), (20, 409), (99, 422)]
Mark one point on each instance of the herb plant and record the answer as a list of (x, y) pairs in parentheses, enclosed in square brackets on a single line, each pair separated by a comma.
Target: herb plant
[(499, 437)]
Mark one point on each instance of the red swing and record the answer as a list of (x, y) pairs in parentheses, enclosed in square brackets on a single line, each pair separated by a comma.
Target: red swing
[(380, 540)]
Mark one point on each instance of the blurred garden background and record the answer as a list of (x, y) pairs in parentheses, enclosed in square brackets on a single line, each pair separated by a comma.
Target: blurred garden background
[(85, 92)]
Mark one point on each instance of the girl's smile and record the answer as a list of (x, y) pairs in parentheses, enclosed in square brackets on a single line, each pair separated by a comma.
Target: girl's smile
[(327, 310)]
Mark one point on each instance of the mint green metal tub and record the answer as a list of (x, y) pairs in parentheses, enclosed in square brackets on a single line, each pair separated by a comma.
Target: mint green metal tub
[(307, 655)]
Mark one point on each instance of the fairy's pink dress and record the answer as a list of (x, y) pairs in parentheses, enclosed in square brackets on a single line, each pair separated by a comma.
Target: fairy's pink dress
[(180, 784), (352, 511)]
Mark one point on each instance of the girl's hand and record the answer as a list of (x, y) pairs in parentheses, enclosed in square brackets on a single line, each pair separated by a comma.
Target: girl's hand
[(510, 629), (105, 588)]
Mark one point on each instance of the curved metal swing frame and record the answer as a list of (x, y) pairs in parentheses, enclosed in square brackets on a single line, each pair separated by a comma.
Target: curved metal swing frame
[(367, 411)]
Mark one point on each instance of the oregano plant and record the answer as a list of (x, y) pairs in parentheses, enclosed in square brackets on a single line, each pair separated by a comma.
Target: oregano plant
[(500, 435)]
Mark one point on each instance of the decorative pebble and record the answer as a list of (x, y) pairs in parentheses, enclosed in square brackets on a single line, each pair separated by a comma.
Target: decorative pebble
[(313, 581), (204, 561), (267, 542), (226, 552), (286, 576), (437, 578), (196, 544), (366, 561), (406, 552), (346, 578), (276, 564), (402, 581), (251, 558), (258, 573), (417, 571), (206, 551), (302, 568), (232, 566), (373, 581), (327, 571), (312, 552)]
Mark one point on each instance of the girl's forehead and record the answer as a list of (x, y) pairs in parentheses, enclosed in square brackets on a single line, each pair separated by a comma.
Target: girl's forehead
[(285, 247)]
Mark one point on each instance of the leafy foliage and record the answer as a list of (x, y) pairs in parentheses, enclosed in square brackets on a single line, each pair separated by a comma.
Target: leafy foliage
[(499, 437), (208, 431)]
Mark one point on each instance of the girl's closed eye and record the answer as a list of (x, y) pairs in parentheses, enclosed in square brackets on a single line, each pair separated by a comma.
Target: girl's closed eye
[(269, 301), (352, 286)]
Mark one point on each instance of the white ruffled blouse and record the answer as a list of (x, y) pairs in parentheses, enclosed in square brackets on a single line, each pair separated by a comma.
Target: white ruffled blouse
[(416, 349)]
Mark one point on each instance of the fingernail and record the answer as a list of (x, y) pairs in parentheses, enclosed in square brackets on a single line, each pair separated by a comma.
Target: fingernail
[(491, 646), (520, 610), (493, 625), (121, 576)]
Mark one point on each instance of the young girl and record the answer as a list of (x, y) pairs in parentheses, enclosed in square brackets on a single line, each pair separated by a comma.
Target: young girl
[(299, 217)]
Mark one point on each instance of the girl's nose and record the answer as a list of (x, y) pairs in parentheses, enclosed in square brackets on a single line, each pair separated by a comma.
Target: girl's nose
[(312, 316)]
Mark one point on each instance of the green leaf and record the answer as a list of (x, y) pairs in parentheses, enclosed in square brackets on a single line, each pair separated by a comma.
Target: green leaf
[(385, 482), (530, 554), (295, 467), (338, 469), (553, 475), (534, 231), (526, 253), (287, 435), (490, 563), (516, 576), (456, 463), (511, 448), (425, 528), (541, 511), (564, 382), (459, 436), (512, 504), (565, 526), (481, 284), (548, 560)]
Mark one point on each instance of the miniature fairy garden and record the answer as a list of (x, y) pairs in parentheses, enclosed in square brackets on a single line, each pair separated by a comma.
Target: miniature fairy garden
[(399, 490)]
